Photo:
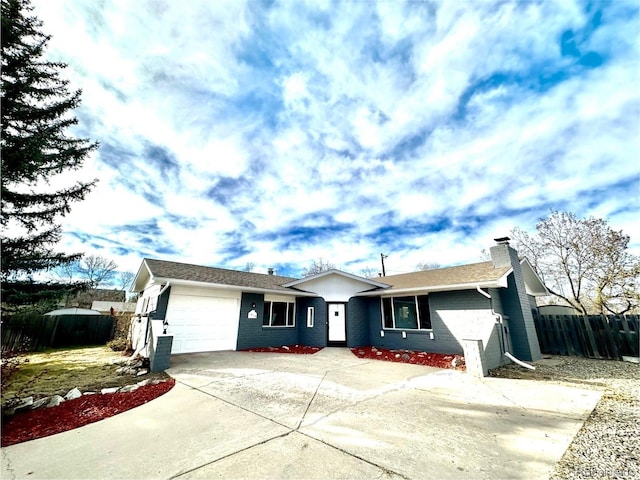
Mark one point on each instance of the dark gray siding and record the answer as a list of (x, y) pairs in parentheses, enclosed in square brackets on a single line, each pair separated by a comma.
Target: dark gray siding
[(161, 307), (502, 335), (317, 335), (358, 310), (454, 316), (516, 305), (443, 341), (252, 334)]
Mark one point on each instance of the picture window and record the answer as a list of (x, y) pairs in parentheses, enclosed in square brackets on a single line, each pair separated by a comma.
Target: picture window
[(406, 313), (278, 314)]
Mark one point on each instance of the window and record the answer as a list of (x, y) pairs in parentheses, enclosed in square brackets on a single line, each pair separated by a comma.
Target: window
[(278, 314), (310, 315), (407, 313)]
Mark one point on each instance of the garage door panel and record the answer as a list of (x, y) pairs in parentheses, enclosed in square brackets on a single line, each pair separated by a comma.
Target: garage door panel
[(200, 323)]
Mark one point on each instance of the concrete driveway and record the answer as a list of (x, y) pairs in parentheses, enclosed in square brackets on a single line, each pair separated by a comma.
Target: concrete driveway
[(328, 415)]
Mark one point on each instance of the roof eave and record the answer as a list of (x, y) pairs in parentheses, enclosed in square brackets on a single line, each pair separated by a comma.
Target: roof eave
[(432, 288), (235, 288), (144, 268)]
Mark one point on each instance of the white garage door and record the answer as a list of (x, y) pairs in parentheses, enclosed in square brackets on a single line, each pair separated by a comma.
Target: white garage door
[(202, 324)]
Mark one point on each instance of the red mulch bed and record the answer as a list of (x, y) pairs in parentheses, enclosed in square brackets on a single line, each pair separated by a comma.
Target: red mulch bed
[(438, 360), (32, 424), (300, 349)]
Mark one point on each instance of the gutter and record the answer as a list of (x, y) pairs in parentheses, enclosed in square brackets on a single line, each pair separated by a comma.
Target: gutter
[(235, 288), (430, 289), (163, 289)]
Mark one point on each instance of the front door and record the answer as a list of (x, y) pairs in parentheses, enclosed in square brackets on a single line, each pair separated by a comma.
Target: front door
[(337, 324)]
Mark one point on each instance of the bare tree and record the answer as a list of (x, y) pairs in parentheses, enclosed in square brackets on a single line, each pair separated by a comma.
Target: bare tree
[(369, 272), (427, 266), (124, 279), (96, 269), (317, 266), (583, 262), (249, 267)]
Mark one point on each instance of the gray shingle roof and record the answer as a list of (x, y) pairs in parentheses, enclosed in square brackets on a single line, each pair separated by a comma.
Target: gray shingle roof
[(221, 276), (464, 274)]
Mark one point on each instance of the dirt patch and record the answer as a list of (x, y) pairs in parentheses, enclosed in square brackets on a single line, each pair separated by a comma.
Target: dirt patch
[(437, 360)]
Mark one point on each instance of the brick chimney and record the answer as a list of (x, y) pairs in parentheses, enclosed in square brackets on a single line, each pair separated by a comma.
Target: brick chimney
[(516, 302)]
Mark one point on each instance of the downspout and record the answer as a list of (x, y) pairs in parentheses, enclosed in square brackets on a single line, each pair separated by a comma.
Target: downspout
[(501, 321), (163, 289)]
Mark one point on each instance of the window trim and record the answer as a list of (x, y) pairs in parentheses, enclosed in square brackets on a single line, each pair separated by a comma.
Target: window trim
[(393, 314), (310, 316), (289, 322)]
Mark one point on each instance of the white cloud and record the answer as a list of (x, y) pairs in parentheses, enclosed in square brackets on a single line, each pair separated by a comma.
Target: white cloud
[(461, 118)]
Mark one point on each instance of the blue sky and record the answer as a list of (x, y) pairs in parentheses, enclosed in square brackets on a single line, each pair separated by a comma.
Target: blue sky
[(278, 132)]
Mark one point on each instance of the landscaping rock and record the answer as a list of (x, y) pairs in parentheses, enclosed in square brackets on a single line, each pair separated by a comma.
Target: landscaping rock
[(142, 383), (89, 393), (19, 405), (129, 388), (142, 372), (55, 401), (109, 390), (73, 393), (135, 363), (406, 356), (40, 403)]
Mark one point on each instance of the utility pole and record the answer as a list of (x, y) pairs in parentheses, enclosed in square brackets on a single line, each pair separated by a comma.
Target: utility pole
[(382, 257)]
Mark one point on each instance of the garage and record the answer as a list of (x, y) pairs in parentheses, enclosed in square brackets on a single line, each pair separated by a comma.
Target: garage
[(201, 321)]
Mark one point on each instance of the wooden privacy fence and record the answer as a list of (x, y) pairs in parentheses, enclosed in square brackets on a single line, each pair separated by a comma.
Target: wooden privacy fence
[(592, 336), (35, 332)]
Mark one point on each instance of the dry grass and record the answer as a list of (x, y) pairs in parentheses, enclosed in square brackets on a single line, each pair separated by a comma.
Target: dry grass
[(55, 372)]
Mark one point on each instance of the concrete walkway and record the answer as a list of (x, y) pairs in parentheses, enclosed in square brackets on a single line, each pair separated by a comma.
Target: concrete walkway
[(328, 415)]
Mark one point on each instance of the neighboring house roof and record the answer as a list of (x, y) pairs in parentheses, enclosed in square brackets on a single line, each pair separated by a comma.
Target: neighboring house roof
[(73, 311), (117, 306), (163, 271)]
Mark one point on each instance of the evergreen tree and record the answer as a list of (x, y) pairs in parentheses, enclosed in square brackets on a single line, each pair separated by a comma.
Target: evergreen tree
[(36, 112)]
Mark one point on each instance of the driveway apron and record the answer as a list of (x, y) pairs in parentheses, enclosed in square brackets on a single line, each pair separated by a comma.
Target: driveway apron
[(327, 415)]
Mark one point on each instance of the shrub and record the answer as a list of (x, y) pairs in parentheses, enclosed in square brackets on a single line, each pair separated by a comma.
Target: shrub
[(118, 344), (11, 362)]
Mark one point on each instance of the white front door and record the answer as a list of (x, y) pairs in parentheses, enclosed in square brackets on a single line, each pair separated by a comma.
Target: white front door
[(337, 322)]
